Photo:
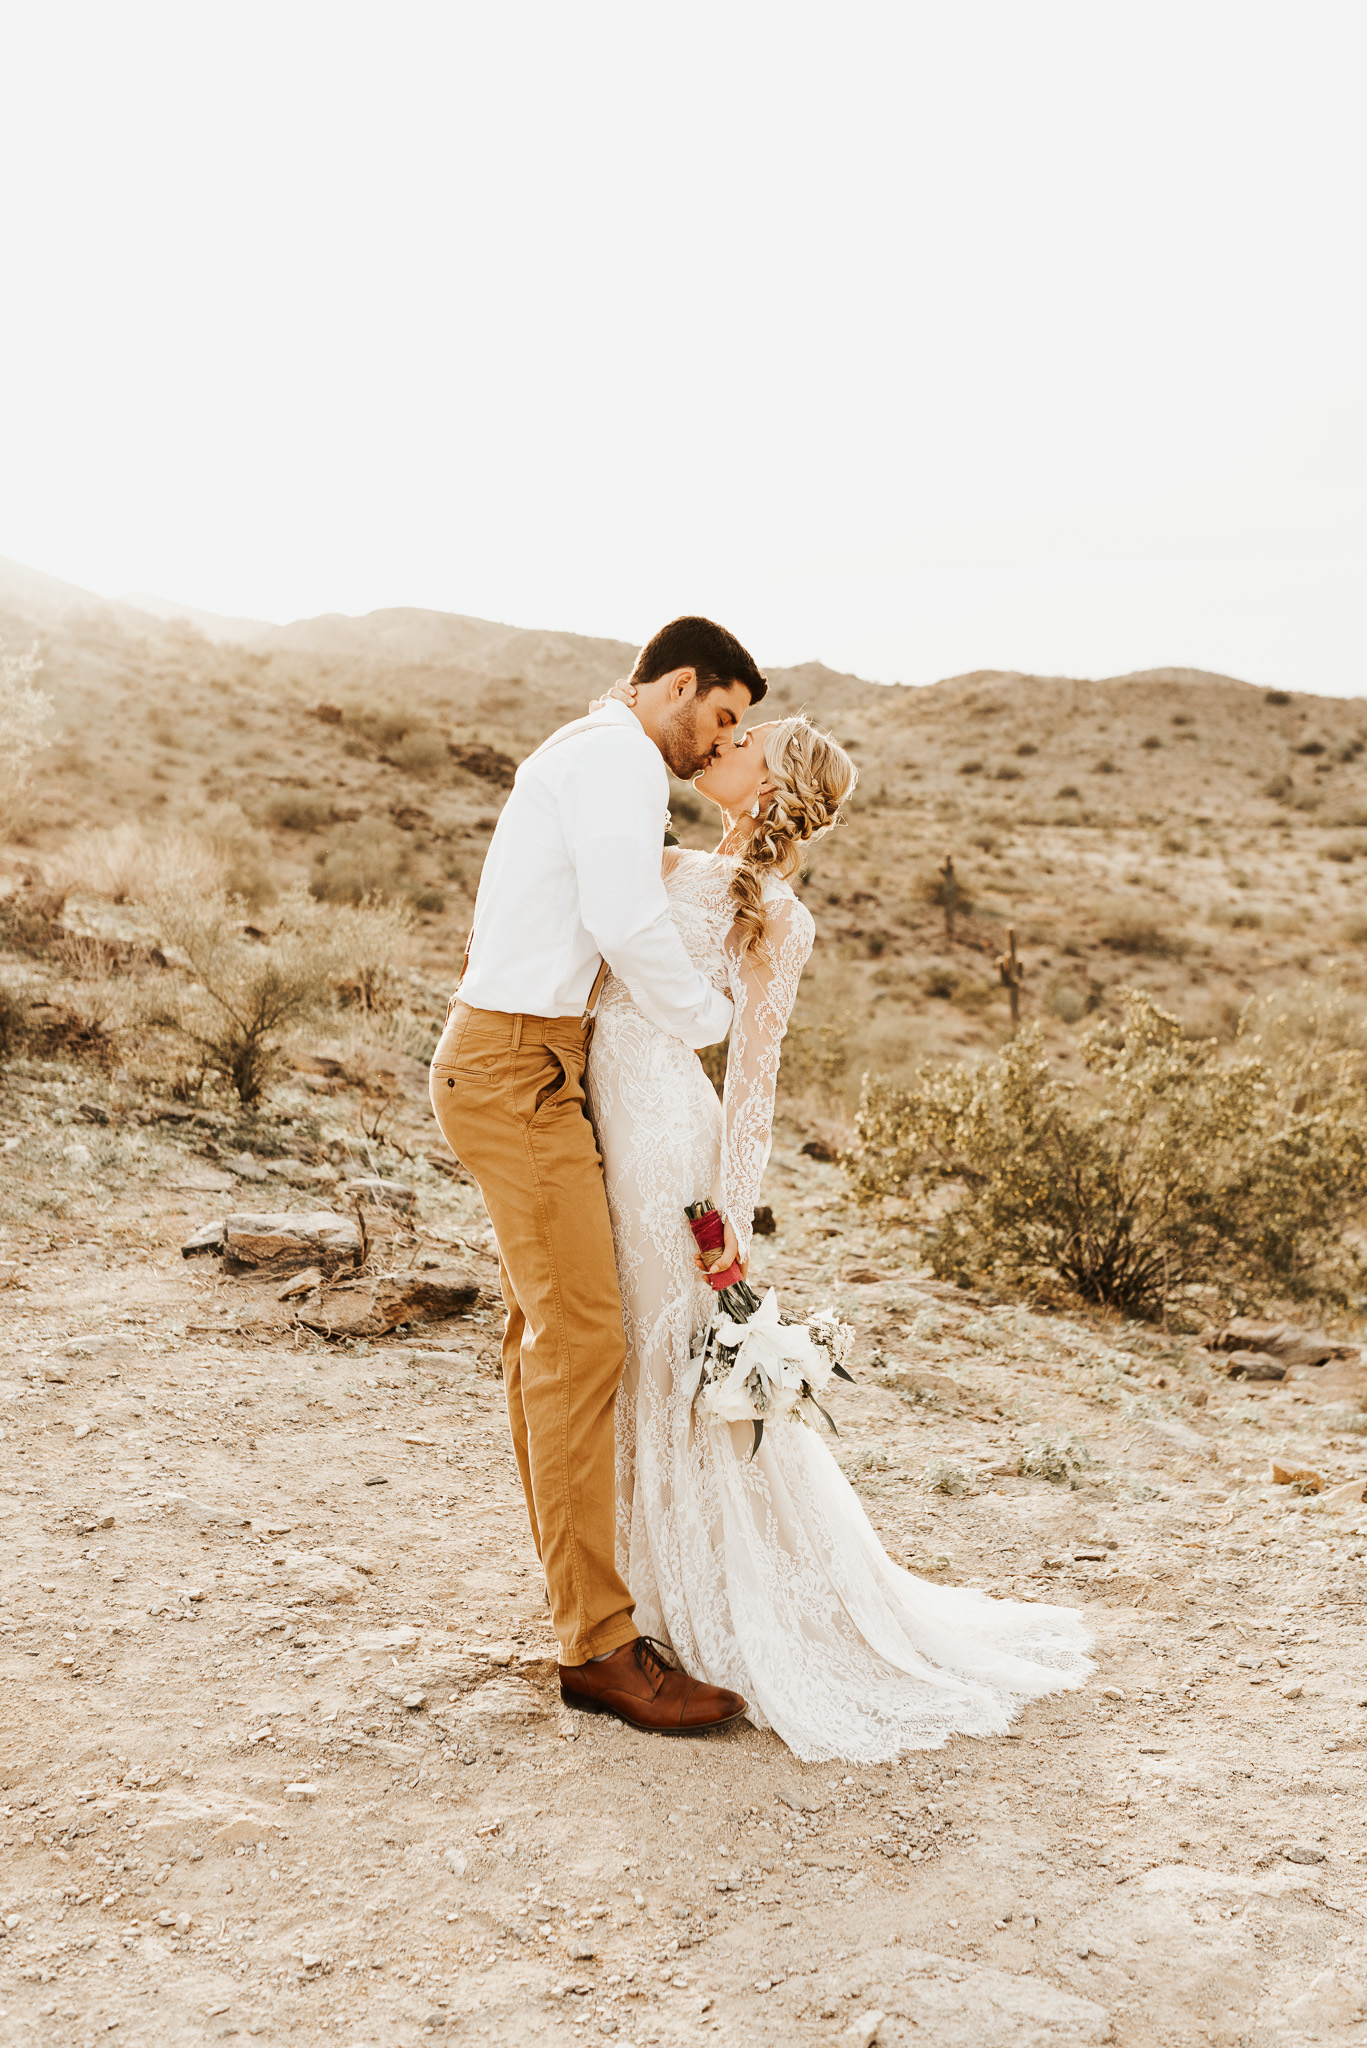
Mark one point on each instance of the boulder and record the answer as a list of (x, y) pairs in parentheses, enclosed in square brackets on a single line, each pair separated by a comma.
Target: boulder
[(371, 1308), (208, 1238), (284, 1243), (1284, 1341), (1252, 1365)]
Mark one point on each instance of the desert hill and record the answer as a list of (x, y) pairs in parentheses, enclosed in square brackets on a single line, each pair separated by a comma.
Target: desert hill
[(1188, 831)]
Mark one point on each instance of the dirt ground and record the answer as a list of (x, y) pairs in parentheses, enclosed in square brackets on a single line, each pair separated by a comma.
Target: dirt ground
[(283, 1754)]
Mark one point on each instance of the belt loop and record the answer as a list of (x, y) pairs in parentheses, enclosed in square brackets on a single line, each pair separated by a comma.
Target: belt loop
[(517, 1032)]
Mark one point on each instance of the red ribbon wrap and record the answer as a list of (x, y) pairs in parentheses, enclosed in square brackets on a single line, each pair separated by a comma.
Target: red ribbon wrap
[(710, 1235)]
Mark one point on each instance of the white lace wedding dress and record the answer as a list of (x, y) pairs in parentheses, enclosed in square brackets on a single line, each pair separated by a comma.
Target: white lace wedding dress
[(764, 1574)]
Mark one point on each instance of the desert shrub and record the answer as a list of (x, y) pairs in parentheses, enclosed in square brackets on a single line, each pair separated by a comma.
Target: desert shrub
[(367, 863), (1105, 766), (246, 990), (970, 767), (1151, 742), (299, 810), (25, 716), (243, 851), (1027, 747), (816, 1056), (1068, 790), (1344, 817), (1141, 936), (14, 1021), (28, 918), (419, 753), (1057, 1456), (370, 940), (1066, 1001), (943, 1475), (132, 863), (1007, 773), (1277, 697), (1175, 1163), (930, 887), (1345, 850), (430, 900)]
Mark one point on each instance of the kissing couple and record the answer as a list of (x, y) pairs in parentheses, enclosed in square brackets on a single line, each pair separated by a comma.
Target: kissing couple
[(695, 1576)]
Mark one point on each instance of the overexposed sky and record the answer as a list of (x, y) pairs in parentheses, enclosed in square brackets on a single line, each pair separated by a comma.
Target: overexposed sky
[(911, 337)]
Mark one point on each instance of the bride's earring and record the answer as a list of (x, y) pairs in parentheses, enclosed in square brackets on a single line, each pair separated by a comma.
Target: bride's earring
[(754, 808)]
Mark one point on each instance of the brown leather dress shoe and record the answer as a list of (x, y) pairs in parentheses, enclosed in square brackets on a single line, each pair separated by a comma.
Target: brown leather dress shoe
[(639, 1687)]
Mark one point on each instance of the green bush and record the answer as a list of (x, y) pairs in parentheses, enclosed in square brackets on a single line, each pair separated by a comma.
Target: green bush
[(1175, 1163)]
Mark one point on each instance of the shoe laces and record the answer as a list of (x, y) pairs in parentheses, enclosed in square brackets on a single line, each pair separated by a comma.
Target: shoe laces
[(653, 1658)]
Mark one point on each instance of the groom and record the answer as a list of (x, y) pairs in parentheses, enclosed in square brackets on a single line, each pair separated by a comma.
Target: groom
[(571, 887)]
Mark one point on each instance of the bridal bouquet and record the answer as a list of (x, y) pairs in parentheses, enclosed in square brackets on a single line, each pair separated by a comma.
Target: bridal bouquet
[(755, 1367)]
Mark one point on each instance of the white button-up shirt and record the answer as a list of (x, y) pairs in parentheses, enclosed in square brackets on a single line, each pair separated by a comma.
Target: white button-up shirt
[(572, 875)]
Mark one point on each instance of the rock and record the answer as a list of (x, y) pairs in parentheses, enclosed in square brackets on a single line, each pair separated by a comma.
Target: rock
[(763, 1224), (388, 1639), (501, 1706), (1291, 1692), (208, 1238), (454, 1859), (1300, 1476), (285, 1243), (476, 757), (57, 1375), (101, 1519), (1253, 1365), (202, 1182), (321, 1578), (1286, 1341), (372, 1191), (302, 1284), (1303, 1852), (183, 1923), (77, 1153), (245, 1167), (246, 1828), (1349, 1494), (580, 1951), (201, 1511), (373, 1307), (863, 2031), (302, 1791), (415, 1701), (863, 1276), (817, 1148), (1177, 1436)]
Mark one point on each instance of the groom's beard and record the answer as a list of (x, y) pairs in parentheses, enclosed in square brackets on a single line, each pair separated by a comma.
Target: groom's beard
[(686, 753)]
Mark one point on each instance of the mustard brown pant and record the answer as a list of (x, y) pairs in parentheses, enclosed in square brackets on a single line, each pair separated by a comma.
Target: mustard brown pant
[(508, 1092)]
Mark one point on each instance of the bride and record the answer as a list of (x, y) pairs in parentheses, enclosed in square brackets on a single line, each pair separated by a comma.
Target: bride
[(762, 1572)]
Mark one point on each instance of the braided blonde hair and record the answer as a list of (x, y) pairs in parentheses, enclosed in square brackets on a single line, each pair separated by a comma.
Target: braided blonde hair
[(812, 777)]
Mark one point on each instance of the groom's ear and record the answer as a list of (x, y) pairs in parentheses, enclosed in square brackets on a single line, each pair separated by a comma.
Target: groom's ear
[(680, 684)]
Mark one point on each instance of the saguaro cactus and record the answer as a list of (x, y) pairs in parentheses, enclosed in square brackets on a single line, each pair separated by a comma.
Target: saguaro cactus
[(949, 896), (1011, 973)]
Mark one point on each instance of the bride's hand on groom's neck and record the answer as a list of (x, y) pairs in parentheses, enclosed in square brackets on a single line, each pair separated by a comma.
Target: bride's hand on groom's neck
[(623, 691)]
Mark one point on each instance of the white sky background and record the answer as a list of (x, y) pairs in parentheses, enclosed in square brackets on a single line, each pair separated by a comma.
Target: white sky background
[(916, 338)]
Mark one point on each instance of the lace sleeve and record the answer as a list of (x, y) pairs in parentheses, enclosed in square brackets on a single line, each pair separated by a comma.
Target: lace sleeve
[(763, 986)]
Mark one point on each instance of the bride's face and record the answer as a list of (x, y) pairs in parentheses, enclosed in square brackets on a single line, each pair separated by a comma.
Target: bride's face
[(735, 775)]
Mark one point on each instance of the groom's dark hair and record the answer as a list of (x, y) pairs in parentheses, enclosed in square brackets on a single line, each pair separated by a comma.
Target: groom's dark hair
[(717, 656)]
